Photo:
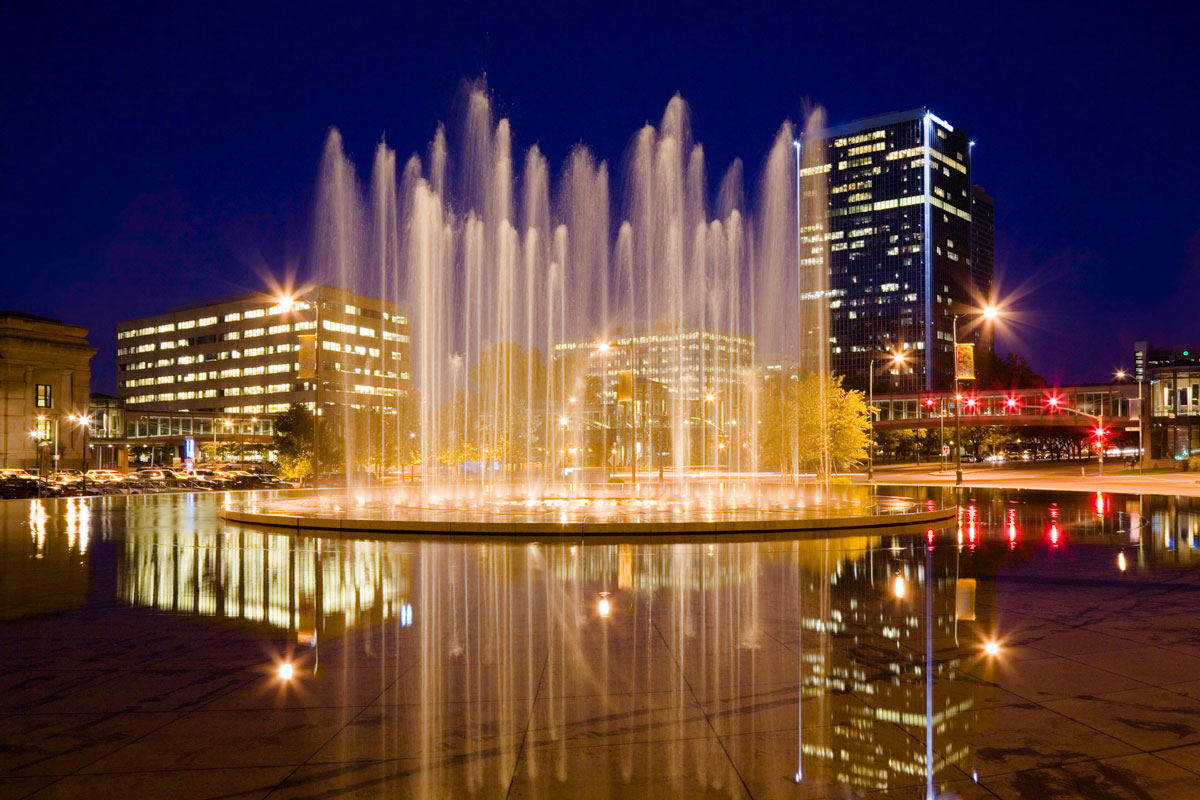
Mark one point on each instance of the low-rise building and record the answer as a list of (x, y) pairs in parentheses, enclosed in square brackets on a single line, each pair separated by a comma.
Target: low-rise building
[(244, 354), (1170, 378), (45, 373)]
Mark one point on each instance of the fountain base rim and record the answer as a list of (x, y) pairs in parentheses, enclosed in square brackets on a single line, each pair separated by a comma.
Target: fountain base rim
[(819, 525)]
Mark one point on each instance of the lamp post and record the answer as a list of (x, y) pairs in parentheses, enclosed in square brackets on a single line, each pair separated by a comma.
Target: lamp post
[(82, 421), (989, 313), (1122, 376), (897, 358)]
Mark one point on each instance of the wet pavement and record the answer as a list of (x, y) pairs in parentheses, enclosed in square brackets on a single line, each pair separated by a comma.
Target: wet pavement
[(143, 641)]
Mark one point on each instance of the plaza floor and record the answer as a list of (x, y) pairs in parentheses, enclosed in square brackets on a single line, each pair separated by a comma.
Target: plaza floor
[(143, 640)]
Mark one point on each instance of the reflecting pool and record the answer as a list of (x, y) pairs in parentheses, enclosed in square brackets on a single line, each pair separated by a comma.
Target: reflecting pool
[(1044, 645)]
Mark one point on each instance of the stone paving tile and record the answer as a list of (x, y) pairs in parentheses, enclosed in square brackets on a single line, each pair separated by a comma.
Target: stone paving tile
[(478, 775), (227, 784), (149, 690), (691, 768), (945, 790), (59, 744), (1148, 718), (15, 788), (326, 687), (833, 761), (756, 710), (1052, 678), (1137, 777), (1187, 757), (385, 731), (211, 739), (1154, 665), (638, 717), (1019, 737)]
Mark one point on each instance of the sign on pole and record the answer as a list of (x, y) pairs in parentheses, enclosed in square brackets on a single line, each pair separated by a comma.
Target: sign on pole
[(964, 362)]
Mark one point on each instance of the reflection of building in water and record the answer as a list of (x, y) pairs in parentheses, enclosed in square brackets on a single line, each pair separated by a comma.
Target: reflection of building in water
[(875, 624), (43, 556), (297, 584)]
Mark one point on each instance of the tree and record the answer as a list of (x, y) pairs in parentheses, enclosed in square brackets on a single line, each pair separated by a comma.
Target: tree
[(1010, 372), (293, 440), (792, 437)]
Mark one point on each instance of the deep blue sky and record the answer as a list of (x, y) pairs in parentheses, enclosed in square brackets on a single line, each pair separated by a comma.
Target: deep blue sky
[(166, 153)]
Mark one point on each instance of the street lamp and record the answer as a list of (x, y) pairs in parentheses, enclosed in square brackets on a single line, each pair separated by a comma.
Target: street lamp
[(989, 313), (897, 359), (82, 421), (1121, 375)]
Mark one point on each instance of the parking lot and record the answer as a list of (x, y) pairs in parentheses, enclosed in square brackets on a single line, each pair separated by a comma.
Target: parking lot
[(20, 484)]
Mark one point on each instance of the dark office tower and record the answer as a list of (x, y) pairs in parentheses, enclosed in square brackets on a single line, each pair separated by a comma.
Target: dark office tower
[(899, 234), (983, 244)]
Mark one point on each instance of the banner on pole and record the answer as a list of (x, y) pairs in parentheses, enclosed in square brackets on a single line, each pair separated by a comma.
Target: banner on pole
[(307, 357), (964, 362)]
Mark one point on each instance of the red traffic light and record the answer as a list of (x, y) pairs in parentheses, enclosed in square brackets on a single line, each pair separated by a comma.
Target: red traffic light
[(972, 402), (930, 402), (1011, 403), (1053, 400)]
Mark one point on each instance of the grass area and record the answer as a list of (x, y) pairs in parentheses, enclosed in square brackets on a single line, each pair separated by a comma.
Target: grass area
[(1154, 471)]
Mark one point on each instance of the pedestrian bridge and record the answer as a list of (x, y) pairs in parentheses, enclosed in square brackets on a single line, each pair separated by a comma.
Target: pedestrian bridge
[(1063, 406)]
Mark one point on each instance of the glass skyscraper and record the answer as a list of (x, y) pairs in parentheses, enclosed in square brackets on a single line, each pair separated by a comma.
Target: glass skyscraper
[(898, 190)]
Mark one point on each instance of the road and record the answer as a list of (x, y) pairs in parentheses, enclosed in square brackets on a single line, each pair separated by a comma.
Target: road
[(1047, 476)]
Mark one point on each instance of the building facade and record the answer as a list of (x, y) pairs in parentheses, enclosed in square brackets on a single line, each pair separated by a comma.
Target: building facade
[(45, 375), (898, 191), (690, 364), (244, 354), (1170, 379), (983, 244)]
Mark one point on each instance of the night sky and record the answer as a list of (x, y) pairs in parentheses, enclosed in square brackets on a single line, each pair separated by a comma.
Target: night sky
[(163, 154)]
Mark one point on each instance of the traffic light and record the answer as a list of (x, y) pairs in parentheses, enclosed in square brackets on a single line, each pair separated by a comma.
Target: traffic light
[(971, 403), (1053, 401), (930, 402), (1011, 404)]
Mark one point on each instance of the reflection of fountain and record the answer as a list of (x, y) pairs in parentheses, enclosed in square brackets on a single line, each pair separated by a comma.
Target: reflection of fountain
[(498, 268)]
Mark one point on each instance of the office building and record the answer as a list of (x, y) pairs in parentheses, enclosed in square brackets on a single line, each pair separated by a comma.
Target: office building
[(898, 191), (45, 372), (243, 354), (690, 364), (983, 244)]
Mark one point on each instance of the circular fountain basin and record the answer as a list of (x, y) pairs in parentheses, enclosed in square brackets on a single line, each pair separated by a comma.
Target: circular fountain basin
[(709, 509)]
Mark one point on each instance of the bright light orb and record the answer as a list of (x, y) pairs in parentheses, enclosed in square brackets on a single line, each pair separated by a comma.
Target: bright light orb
[(1121, 564), (898, 586), (286, 671), (991, 647)]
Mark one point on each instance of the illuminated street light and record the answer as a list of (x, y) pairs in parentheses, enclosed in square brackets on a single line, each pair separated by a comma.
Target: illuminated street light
[(286, 671), (897, 359), (991, 647)]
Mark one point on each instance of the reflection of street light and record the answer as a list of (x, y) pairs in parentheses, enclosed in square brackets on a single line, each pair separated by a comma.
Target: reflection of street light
[(897, 358), (604, 608), (898, 585)]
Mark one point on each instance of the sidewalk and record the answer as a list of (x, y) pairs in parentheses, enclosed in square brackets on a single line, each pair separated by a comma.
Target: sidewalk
[(1061, 477)]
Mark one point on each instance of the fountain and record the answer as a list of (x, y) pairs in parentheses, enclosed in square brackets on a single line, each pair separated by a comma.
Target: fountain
[(500, 266)]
